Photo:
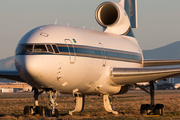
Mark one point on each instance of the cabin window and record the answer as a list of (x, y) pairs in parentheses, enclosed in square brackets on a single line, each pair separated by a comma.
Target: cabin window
[(40, 48)]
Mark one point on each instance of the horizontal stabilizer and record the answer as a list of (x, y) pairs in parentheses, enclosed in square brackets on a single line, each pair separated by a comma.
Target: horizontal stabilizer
[(150, 63)]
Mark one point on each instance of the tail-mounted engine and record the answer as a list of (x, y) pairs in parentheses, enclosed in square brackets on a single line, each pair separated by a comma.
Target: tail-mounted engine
[(113, 18)]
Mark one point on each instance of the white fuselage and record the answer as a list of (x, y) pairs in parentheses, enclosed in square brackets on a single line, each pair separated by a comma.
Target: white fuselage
[(83, 65)]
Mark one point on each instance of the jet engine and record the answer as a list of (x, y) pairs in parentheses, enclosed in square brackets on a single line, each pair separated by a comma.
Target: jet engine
[(124, 89), (113, 18)]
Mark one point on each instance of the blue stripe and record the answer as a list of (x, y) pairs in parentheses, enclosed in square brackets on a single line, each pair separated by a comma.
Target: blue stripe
[(110, 54)]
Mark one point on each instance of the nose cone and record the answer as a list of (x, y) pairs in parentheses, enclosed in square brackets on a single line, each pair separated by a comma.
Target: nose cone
[(29, 67)]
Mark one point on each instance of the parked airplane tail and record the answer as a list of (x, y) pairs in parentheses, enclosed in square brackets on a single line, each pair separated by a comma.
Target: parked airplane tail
[(117, 18)]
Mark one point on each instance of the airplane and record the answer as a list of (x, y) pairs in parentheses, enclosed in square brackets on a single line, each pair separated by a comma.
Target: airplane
[(177, 86), (69, 60)]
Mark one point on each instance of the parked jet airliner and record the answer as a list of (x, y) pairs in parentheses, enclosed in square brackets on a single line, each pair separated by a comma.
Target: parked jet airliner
[(56, 58)]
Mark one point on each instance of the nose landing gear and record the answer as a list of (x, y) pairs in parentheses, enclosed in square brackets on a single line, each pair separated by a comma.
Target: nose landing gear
[(52, 112)]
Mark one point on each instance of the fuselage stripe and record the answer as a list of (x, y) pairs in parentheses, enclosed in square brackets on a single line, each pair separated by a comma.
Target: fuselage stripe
[(101, 53), (82, 51)]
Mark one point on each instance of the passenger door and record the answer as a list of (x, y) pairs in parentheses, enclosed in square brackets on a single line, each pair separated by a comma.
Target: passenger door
[(71, 50), (103, 54)]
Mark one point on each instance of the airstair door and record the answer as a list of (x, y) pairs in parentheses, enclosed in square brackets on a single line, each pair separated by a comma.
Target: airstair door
[(72, 53)]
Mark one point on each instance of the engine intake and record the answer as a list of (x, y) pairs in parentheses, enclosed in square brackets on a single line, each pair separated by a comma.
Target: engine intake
[(112, 17), (107, 14)]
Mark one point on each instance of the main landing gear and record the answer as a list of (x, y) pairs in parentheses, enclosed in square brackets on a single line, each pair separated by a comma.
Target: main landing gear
[(79, 103), (151, 109), (52, 94), (43, 110), (80, 99)]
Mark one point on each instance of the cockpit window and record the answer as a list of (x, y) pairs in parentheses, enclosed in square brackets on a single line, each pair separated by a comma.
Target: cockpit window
[(49, 48), (24, 49), (55, 49), (19, 49), (28, 48), (31, 49), (40, 48)]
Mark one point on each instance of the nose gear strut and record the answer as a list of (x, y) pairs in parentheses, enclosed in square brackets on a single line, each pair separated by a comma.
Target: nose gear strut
[(52, 95)]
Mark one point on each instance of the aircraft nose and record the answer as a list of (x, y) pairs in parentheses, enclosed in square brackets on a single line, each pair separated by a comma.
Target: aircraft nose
[(29, 66)]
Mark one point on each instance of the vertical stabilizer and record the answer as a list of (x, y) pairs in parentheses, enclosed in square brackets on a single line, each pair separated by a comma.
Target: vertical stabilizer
[(130, 7)]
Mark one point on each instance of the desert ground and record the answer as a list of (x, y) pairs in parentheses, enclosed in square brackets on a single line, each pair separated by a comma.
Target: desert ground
[(128, 106)]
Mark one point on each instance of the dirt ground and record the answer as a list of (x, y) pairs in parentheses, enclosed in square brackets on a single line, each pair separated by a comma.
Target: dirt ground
[(128, 106)]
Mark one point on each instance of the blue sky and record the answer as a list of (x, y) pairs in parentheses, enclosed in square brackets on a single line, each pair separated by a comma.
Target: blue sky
[(158, 20)]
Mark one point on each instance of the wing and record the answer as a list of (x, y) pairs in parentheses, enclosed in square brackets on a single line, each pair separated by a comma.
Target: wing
[(11, 75), (149, 63), (122, 76)]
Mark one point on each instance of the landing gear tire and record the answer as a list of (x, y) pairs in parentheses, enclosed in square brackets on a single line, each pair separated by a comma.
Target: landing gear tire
[(144, 109), (48, 113), (44, 110), (38, 110), (159, 109), (151, 108), (41, 110), (28, 110), (56, 113)]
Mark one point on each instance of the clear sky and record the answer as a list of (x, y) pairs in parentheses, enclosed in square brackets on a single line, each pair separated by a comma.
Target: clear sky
[(159, 20)]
